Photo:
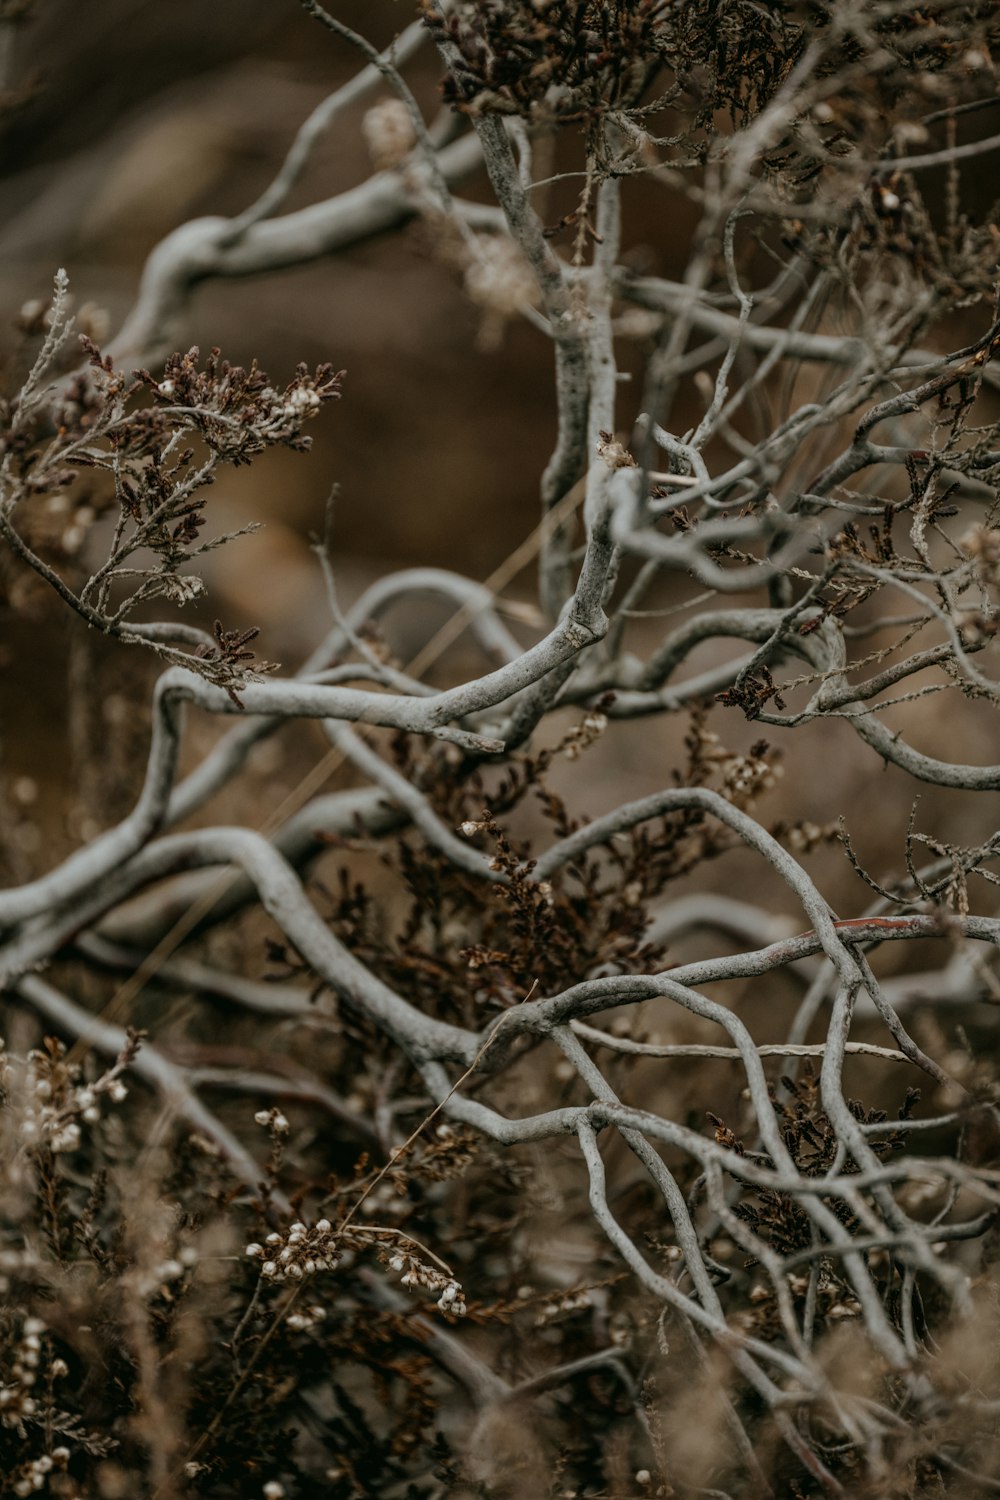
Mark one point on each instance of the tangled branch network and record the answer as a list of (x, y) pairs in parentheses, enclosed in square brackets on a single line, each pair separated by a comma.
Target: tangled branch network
[(821, 534)]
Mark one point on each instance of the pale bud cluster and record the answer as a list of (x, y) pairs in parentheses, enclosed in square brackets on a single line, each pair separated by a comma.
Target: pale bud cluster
[(498, 277), (17, 1401), (710, 751), (283, 408), (272, 1120), (75, 534), (182, 587), (417, 1273), (614, 453), (302, 402), (302, 1251), (306, 1318), (389, 134), (571, 1303), (745, 777), (157, 1279), (804, 837), (34, 1476), (975, 626), (55, 1101), (975, 60), (910, 133), (982, 544), (846, 1308), (590, 728)]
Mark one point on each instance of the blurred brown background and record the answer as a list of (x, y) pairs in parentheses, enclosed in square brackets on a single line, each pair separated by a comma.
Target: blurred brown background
[(145, 117)]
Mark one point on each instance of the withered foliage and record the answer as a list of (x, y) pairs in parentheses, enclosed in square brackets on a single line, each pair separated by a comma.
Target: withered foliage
[(515, 57), (470, 951), (134, 456), (571, 61), (776, 1217)]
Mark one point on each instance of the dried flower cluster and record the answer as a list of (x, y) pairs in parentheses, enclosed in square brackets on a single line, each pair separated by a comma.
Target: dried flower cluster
[(91, 451), (55, 1101), (388, 133), (301, 1252)]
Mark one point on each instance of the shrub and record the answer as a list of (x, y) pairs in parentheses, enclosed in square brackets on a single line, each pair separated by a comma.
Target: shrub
[(500, 1182)]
